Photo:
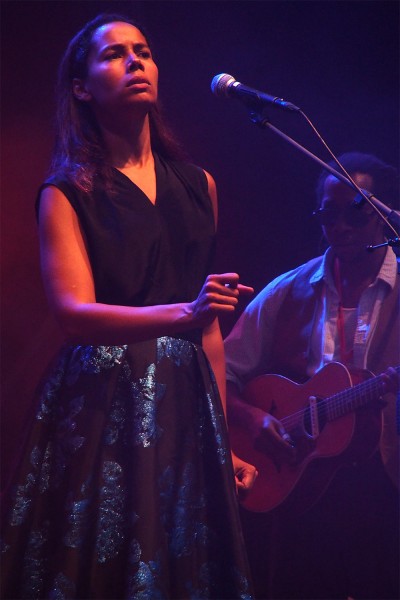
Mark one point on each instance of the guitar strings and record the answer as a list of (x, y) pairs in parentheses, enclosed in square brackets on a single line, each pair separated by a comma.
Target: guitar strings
[(338, 401)]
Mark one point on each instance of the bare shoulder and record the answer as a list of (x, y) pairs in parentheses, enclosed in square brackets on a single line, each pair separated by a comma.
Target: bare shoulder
[(53, 199), (56, 214), (60, 232)]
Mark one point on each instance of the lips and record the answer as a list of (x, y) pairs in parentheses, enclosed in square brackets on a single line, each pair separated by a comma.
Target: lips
[(343, 241), (137, 81)]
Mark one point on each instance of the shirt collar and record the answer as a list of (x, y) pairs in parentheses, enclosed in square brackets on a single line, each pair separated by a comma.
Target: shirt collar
[(322, 271), (387, 272)]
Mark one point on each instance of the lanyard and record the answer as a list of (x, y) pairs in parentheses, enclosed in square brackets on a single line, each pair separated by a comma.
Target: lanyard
[(346, 356)]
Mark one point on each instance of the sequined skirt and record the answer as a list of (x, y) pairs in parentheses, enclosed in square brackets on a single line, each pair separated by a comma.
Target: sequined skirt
[(126, 488)]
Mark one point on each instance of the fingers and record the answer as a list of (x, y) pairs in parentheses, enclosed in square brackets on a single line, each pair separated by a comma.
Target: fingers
[(288, 440), (230, 284), (245, 478), (245, 473), (219, 295), (230, 280), (274, 440), (245, 289), (244, 485), (222, 291), (391, 378), (282, 436)]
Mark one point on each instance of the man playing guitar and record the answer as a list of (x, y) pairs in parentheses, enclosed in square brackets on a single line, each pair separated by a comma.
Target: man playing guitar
[(307, 423)]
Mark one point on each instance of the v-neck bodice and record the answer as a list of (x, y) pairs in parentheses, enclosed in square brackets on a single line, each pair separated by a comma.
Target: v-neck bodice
[(156, 176), (142, 253)]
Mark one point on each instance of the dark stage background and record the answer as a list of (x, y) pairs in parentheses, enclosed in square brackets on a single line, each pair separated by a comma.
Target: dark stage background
[(337, 60)]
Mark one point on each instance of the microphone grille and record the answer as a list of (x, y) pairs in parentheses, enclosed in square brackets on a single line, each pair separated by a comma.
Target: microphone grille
[(221, 84)]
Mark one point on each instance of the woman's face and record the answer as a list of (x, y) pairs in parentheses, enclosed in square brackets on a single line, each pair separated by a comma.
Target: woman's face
[(121, 70)]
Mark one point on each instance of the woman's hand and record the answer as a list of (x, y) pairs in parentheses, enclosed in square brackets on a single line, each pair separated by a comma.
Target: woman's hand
[(245, 475), (70, 288), (219, 294)]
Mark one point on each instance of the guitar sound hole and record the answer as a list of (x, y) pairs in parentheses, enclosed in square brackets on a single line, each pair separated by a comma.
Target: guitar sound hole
[(321, 418)]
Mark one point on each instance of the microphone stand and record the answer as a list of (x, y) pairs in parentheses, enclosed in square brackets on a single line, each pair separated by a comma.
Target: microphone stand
[(389, 216)]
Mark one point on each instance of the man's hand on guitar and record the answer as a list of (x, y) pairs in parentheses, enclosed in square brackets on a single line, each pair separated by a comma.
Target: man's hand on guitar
[(342, 430), (391, 378), (272, 439)]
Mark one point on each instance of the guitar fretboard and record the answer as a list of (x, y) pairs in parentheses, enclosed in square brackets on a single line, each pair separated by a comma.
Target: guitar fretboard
[(348, 400)]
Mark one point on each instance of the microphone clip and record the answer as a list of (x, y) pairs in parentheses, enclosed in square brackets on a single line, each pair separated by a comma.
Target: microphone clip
[(393, 243), (258, 118)]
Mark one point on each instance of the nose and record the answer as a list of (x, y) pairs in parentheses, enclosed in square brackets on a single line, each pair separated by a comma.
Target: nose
[(134, 62), (340, 225), (341, 222)]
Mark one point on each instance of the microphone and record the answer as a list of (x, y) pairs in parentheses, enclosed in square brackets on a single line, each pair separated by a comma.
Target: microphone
[(224, 85)]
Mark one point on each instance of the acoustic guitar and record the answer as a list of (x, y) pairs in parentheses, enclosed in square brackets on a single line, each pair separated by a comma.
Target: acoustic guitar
[(330, 422)]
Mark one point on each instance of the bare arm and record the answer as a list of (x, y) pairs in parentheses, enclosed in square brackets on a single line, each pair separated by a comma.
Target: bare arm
[(245, 474), (70, 289)]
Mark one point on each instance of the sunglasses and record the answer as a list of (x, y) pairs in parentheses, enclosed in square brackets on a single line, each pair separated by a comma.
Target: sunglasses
[(352, 215)]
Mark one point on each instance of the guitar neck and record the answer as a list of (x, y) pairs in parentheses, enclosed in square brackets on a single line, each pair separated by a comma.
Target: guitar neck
[(360, 395)]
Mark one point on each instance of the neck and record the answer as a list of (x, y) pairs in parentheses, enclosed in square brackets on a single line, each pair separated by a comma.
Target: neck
[(128, 143), (365, 270), (354, 279)]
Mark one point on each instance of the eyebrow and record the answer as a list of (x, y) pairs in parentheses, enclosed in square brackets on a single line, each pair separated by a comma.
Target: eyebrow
[(122, 46)]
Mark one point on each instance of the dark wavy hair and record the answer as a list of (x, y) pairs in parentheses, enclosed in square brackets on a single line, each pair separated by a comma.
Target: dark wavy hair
[(385, 178), (79, 150)]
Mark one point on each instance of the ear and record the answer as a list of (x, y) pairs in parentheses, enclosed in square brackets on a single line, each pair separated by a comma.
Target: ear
[(80, 90)]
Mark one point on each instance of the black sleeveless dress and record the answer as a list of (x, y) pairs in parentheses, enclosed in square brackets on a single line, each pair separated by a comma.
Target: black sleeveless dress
[(126, 488)]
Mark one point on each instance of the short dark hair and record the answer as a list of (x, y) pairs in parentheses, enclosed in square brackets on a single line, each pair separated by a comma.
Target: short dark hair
[(385, 178)]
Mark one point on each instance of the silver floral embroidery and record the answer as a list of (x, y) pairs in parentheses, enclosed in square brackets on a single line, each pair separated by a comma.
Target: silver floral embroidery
[(216, 424), (110, 534), (23, 495), (146, 393), (179, 351), (60, 450), (181, 510), (143, 585), (44, 477), (35, 563), (117, 416), (63, 588), (135, 552), (49, 395), (67, 426), (96, 358), (78, 518)]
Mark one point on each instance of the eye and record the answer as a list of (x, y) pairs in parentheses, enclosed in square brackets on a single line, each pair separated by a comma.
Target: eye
[(326, 216), (144, 53), (113, 55)]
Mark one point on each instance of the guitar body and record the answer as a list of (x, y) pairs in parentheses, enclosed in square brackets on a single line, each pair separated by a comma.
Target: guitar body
[(297, 484)]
